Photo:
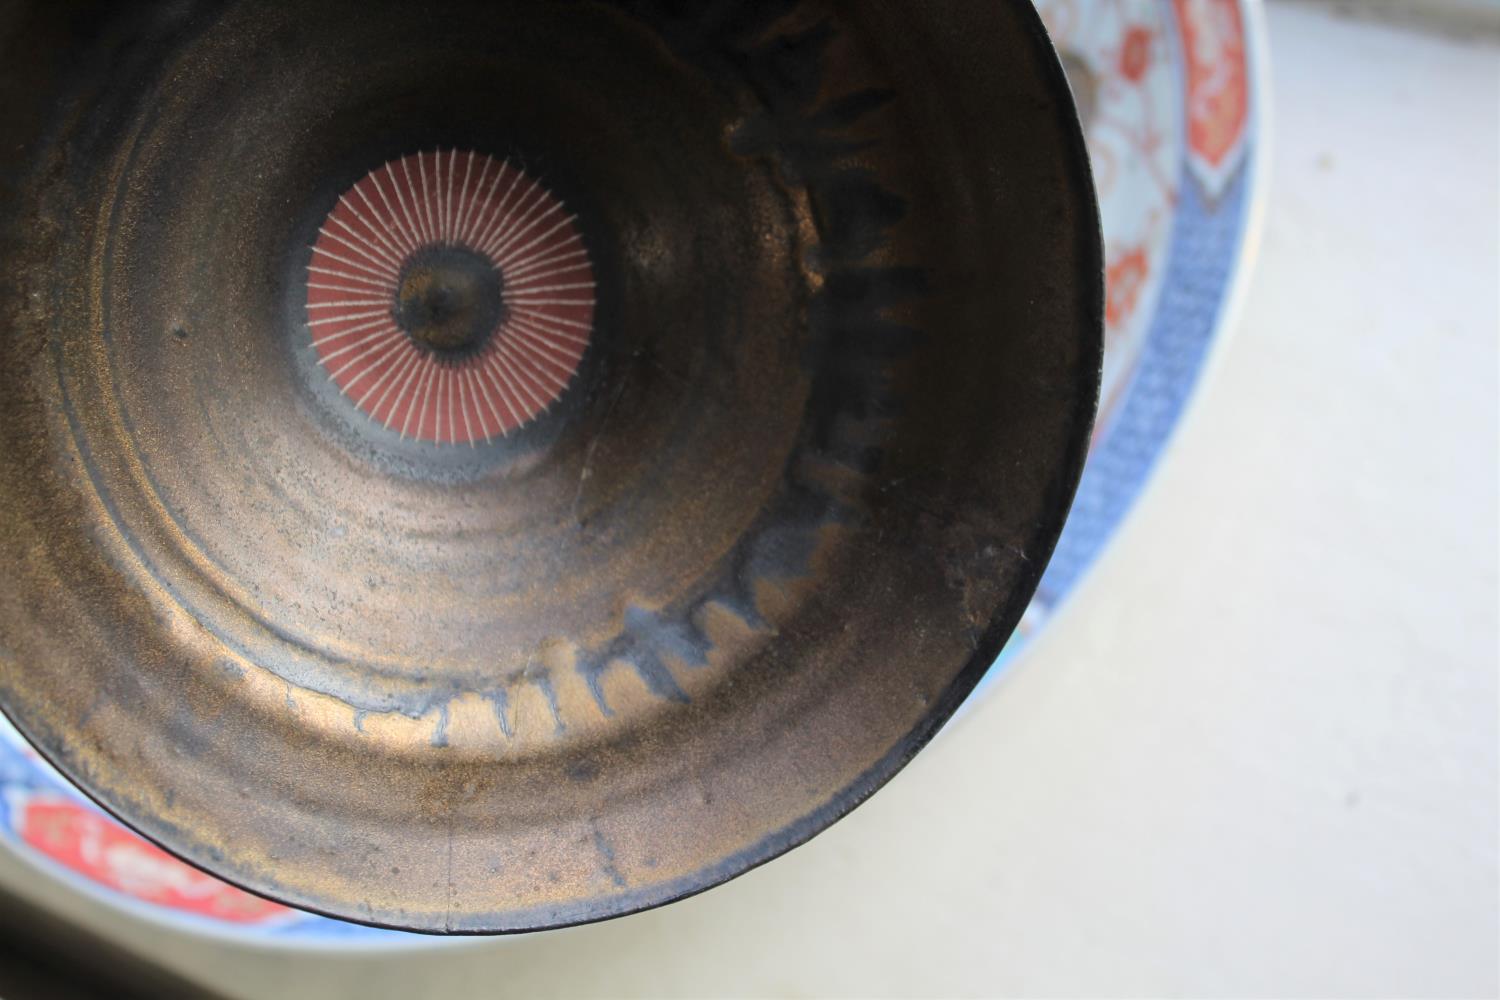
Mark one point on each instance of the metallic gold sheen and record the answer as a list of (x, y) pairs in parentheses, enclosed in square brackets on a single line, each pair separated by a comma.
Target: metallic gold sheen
[(833, 408)]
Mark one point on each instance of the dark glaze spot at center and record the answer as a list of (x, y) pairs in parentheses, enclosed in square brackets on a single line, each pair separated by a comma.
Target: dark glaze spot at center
[(449, 300)]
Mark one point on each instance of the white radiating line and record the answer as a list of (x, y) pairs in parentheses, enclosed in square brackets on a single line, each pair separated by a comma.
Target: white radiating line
[(388, 379), (572, 336), (437, 195), (448, 386), (524, 396), (408, 208), (392, 338), (462, 384), (566, 337), (526, 346), (448, 212), (402, 373), (387, 286), (580, 267), (500, 243), (466, 201), (419, 402), (511, 274), (501, 391), (370, 251), (527, 300), (534, 314), (417, 209), (497, 244), (388, 223), (506, 253), (430, 393), (452, 197), (489, 403), (427, 208), (368, 257), (388, 352), (538, 393), (523, 261), (464, 393), (566, 359), (566, 362), (580, 332), (504, 224), (542, 381), (325, 338), (411, 372), (456, 406), (520, 189), (438, 198), (378, 229), (479, 197), (378, 335), (435, 199), (487, 205), (354, 345), (541, 365), (338, 288), (569, 286), (512, 254), (459, 378), (576, 258), (404, 219), (413, 192), (416, 217), (500, 211), (346, 302), (382, 275), (351, 317), (463, 194), (502, 368), (424, 371), (376, 253)]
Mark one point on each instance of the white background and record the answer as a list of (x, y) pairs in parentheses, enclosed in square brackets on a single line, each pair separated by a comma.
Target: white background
[(1257, 754)]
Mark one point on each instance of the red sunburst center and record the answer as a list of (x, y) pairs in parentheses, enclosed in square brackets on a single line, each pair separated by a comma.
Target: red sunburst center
[(450, 297)]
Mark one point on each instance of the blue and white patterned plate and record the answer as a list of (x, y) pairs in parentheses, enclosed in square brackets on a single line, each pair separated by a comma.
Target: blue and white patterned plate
[(1173, 97)]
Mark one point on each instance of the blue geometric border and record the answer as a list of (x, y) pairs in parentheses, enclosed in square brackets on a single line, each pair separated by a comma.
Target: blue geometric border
[(1205, 249)]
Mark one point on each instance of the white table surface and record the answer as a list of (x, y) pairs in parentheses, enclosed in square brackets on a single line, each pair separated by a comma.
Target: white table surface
[(1257, 754)]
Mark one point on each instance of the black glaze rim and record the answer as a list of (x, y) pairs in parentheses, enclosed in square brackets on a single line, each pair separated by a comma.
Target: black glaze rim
[(987, 647)]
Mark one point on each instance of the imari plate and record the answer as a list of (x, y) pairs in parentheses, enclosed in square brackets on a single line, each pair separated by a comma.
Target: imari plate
[(1172, 94)]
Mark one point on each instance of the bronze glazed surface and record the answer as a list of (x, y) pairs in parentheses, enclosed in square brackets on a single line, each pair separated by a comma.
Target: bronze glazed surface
[(794, 451)]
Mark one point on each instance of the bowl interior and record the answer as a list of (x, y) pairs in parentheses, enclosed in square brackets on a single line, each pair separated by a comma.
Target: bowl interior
[(481, 467)]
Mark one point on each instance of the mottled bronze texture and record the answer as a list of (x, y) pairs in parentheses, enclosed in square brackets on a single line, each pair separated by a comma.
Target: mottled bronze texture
[(836, 396)]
